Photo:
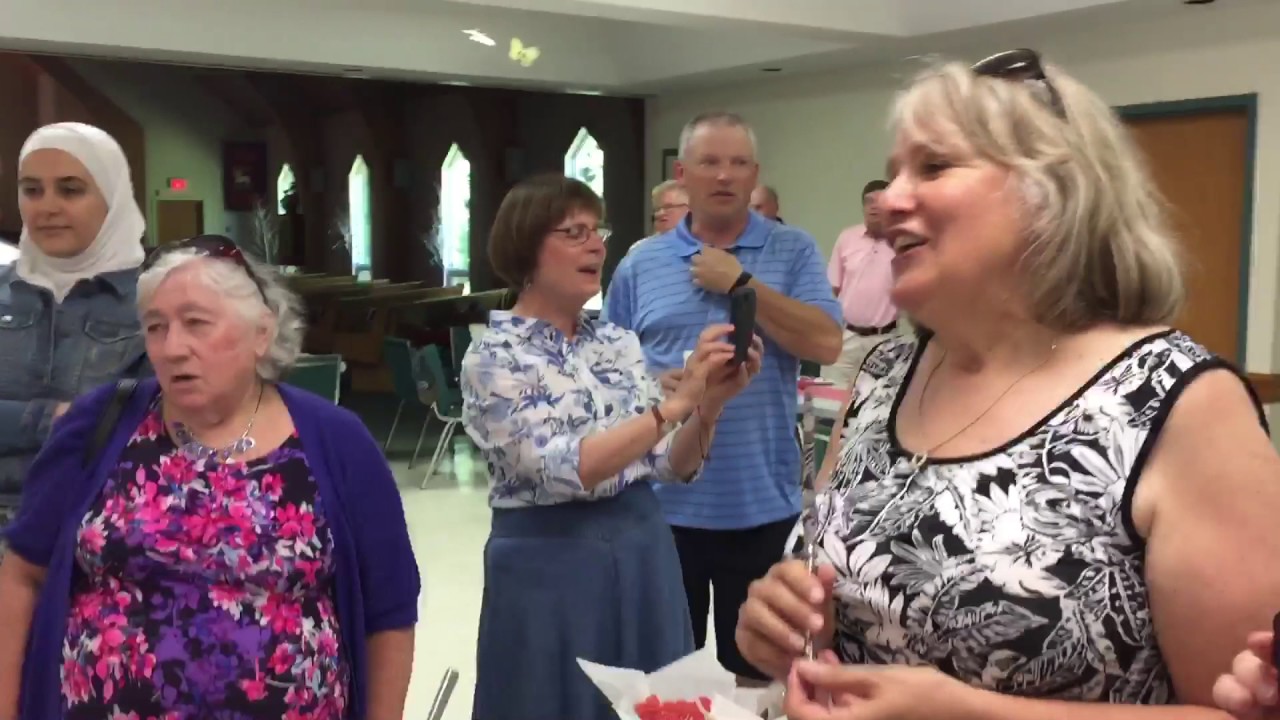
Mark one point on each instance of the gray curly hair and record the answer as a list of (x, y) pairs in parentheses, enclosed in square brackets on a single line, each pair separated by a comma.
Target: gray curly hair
[(286, 326)]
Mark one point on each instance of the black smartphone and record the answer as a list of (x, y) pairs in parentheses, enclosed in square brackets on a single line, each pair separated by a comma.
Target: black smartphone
[(742, 314), (1275, 644)]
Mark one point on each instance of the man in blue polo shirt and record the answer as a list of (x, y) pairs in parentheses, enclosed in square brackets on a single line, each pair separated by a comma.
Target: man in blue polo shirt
[(732, 525)]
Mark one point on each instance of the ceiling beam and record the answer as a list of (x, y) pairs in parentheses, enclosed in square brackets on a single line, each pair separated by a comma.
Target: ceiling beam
[(830, 17)]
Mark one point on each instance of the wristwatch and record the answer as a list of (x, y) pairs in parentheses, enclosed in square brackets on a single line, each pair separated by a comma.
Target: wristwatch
[(665, 427), (742, 281)]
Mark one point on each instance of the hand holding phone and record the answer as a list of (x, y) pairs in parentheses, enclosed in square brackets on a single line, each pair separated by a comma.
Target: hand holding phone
[(742, 315)]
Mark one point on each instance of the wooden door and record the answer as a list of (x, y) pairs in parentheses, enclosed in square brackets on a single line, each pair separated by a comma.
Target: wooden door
[(1200, 162), (178, 220)]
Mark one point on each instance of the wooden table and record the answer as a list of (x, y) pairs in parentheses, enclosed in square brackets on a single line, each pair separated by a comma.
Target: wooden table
[(1267, 386)]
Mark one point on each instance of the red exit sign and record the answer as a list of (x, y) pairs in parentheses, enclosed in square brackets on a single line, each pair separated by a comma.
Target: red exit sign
[(178, 184)]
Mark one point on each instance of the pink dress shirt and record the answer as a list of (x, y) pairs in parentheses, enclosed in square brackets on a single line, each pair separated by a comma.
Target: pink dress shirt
[(861, 267)]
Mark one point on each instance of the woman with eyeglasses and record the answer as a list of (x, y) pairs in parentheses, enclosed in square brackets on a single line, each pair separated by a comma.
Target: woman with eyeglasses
[(237, 548), (580, 563), (68, 321), (1050, 505)]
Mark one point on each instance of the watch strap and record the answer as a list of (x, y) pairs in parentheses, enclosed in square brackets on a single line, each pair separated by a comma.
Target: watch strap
[(742, 281)]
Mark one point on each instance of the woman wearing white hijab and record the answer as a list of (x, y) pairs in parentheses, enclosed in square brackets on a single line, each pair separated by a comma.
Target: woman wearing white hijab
[(68, 319)]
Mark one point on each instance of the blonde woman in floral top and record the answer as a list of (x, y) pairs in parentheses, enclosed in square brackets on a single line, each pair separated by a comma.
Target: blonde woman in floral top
[(1051, 504)]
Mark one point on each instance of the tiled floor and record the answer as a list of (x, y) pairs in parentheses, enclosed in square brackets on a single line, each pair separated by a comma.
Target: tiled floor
[(448, 524)]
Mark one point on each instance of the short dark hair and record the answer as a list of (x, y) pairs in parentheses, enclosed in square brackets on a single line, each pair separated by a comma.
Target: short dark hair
[(530, 210), (873, 186)]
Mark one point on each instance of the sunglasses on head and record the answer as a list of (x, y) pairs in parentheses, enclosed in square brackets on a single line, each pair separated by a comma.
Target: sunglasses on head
[(1021, 65), (211, 246)]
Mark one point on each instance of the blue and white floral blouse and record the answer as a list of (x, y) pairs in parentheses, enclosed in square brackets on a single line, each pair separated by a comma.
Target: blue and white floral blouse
[(531, 395)]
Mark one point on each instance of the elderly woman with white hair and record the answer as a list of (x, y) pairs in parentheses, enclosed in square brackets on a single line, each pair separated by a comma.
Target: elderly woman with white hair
[(236, 550), (1050, 504)]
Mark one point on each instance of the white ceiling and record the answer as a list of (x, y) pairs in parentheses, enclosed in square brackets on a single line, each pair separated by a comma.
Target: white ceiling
[(611, 46)]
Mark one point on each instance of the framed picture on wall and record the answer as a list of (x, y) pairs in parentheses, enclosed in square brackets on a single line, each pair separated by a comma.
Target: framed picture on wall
[(669, 163), (244, 175)]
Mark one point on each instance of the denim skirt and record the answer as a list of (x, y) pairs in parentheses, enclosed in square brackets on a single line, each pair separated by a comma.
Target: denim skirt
[(595, 580)]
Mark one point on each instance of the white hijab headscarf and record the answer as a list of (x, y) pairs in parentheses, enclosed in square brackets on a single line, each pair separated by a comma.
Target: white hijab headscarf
[(119, 242)]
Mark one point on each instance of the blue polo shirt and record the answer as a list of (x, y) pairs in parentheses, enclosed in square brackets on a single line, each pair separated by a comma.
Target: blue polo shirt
[(752, 475)]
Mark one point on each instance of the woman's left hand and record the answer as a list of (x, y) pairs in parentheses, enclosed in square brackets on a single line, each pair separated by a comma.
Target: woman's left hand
[(827, 690), (1249, 690), (725, 382)]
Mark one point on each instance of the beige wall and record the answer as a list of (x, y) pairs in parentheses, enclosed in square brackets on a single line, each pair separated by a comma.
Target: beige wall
[(823, 135), (184, 130)]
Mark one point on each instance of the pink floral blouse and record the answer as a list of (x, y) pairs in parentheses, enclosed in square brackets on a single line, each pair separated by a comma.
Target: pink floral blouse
[(204, 590)]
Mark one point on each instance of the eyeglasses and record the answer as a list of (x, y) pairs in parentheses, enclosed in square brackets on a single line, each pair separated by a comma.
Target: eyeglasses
[(212, 246), (663, 209), (579, 234), (1021, 65)]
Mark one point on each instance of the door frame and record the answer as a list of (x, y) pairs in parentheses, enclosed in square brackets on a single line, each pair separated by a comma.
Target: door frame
[(1196, 106)]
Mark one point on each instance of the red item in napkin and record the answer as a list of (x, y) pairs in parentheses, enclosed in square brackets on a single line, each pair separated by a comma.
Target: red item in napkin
[(653, 708)]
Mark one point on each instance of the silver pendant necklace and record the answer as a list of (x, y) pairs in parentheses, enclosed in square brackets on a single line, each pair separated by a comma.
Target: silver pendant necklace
[(194, 449)]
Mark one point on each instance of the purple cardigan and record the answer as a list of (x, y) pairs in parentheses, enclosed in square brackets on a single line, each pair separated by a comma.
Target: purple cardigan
[(376, 576)]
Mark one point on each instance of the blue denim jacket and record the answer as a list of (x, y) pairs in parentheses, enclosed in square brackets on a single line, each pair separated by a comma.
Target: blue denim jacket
[(50, 353)]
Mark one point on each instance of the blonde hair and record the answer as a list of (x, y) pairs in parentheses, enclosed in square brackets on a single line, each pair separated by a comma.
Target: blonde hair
[(1099, 245), (662, 188)]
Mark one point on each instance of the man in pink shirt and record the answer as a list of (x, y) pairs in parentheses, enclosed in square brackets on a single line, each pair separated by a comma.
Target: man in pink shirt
[(861, 272)]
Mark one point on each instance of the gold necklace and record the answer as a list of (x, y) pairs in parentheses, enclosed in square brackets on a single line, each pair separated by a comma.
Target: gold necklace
[(812, 539), (919, 459)]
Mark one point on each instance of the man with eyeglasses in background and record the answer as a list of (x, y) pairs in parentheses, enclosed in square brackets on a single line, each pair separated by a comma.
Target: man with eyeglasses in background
[(732, 524), (670, 204)]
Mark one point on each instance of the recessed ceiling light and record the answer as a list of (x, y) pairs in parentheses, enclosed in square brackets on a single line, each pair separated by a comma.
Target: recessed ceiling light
[(771, 69), (480, 37), (355, 73), (1196, 2)]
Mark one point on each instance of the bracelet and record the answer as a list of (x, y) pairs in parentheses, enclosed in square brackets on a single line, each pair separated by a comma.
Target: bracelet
[(662, 422), (742, 280)]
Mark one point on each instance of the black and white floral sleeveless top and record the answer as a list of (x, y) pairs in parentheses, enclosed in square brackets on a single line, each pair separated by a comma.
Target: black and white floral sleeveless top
[(1018, 570)]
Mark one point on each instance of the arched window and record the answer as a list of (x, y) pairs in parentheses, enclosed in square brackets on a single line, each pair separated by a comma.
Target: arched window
[(285, 184), (585, 161), (454, 231), (358, 192)]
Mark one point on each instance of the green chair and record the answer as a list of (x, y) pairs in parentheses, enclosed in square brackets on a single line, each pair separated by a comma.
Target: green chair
[(319, 374), (459, 341), (447, 404), (408, 380)]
